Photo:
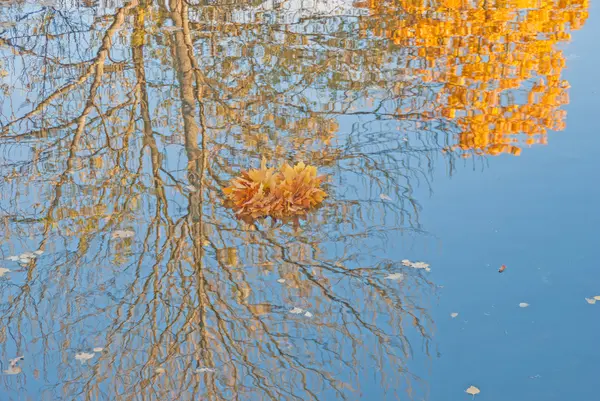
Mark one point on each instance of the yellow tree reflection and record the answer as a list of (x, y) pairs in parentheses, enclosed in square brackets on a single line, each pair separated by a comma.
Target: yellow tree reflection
[(493, 68)]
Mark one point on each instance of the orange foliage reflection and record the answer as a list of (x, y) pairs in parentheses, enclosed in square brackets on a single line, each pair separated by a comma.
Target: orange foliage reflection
[(496, 63)]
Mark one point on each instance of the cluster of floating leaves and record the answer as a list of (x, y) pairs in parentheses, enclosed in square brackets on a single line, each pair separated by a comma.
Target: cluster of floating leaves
[(593, 300), (25, 258), (285, 194)]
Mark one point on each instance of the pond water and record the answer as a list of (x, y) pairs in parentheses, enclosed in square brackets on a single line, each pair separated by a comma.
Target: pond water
[(459, 134)]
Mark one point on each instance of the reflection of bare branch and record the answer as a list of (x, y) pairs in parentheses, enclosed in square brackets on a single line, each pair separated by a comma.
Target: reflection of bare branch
[(194, 288)]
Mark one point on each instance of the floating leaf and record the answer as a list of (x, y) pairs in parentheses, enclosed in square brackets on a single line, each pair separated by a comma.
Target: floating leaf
[(297, 311), (395, 277), (416, 265), (38, 252), (13, 370), (160, 370), (591, 301), (308, 314), (84, 356), (597, 297), (502, 268), (3, 271), (523, 305), (385, 197), (472, 390), (454, 314), (421, 265), (13, 362), (123, 234), (98, 349), (13, 258), (203, 370), (281, 280)]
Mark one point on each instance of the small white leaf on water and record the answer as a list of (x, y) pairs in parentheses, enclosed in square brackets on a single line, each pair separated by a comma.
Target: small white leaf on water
[(523, 305), (13, 362), (591, 301), (473, 391), (83, 356), (28, 255), (123, 234), (202, 370), (416, 265), (14, 370), (454, 314), (297, 311), (13, 258), (308, 314), (597, 297), (160, 370), (385, 197), (38, 252), (3, 271), (281, 280), (98, 349), (172, 28), (395, 277), (421, 265), (25, 261)]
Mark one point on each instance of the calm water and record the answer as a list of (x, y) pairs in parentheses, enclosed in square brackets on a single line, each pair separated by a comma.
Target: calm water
[(460, 134)]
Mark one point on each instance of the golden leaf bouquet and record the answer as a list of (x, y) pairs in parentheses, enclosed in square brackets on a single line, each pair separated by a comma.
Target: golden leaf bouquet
[(286, 194)]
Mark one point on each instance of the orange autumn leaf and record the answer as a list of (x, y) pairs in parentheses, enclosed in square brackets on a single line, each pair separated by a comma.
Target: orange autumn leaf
[(285, 194)]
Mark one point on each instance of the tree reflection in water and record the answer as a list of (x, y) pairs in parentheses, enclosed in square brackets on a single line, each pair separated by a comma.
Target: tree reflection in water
[(135, 118)]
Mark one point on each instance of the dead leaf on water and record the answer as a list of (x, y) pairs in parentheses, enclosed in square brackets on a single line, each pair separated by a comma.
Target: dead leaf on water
[(15, 370), (395, 277), (281, 280), (416, 265), (454, 314), (472, 391), (597, 297), (98, 349), (3, 271), (160, 370), (591, 301), (123, 234), (13, 362), (300, 311), (385, 197), (204, 370), (84, 356), (523, 305)]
